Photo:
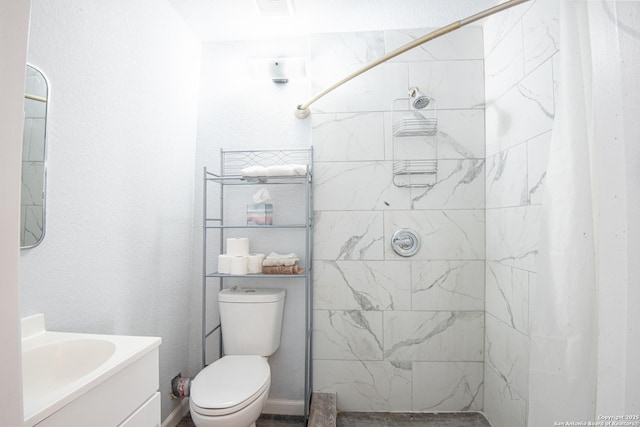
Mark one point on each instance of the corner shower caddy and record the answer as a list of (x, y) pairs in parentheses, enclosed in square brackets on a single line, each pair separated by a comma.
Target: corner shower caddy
[(225, 223), (412, 125)]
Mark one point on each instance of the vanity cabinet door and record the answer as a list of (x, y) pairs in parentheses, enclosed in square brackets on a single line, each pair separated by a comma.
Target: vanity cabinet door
[(148, 415)]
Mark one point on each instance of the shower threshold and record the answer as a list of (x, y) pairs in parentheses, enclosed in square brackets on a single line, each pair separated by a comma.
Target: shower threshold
[(411, 419)]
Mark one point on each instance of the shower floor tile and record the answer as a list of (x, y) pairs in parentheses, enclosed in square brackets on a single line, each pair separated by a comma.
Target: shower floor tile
[(400, 419), (375, 419)]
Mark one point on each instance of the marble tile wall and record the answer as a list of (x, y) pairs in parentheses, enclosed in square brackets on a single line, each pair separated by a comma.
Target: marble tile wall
[(520, 51), (393, 333)]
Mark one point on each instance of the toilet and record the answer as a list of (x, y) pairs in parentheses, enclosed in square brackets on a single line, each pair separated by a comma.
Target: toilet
[(232, 391)]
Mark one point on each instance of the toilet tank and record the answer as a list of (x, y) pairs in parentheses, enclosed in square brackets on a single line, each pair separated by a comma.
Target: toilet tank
[(251, 320)]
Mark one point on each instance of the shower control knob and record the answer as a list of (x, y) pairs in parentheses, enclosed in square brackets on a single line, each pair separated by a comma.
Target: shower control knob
[(405, 242)]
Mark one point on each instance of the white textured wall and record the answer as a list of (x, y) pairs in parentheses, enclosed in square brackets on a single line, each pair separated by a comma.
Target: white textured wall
[(240, 111), (520, 48), (630, 47), (116, 257), (14, 23)]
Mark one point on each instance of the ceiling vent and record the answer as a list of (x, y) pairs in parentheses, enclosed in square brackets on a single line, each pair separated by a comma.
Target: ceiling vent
[(274, 8)]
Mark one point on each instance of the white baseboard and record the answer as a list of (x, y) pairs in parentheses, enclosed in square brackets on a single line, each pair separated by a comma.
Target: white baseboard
[(283, 407), (177, 414)]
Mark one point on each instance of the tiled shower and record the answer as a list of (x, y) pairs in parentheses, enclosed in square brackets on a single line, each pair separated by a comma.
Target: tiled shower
[(394, 333), (447, 329), (521, 53)]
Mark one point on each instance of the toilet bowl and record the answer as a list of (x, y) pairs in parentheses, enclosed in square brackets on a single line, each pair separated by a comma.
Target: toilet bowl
[(230, 392)]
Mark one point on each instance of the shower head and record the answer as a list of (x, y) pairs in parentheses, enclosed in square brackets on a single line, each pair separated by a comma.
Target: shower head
[(418, 99)]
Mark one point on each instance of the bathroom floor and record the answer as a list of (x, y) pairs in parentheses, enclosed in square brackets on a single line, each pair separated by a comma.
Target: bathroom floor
[(263, 421), (375, 419)]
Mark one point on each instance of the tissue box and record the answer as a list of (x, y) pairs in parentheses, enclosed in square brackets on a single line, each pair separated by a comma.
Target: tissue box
[(260, 214)]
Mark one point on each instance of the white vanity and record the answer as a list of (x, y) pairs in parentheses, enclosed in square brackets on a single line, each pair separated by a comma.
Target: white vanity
[(72, 379)]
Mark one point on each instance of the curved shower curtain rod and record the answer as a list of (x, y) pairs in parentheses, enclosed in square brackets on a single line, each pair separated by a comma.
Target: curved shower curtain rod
[(302, 110)]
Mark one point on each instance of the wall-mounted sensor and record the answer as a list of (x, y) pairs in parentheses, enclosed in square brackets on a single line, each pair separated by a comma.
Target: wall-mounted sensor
[(279, 70)]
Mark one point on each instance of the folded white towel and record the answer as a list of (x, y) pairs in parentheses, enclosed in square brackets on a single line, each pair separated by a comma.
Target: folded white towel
[(286, 170), (275, 259), (254, 171), (277, 255)]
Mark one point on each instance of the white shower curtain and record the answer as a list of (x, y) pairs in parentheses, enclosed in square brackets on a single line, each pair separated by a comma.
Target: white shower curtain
[(579, 306)]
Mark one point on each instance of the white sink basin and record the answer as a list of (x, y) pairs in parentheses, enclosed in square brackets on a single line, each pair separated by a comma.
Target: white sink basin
[(60, 367), (52, 367)]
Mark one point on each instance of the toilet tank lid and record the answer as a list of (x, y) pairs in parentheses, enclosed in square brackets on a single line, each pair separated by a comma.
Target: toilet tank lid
[(250, 295)]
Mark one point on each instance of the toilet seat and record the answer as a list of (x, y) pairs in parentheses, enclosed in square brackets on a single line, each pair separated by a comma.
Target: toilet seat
[(229, 385)]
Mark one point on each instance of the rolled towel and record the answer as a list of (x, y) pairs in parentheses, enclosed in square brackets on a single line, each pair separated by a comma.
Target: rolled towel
[(276, 259), (286, 170), (253, 171), (282, 269)]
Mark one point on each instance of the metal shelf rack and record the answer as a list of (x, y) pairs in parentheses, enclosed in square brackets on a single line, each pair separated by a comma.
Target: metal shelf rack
[(230, 177), (411, 129)]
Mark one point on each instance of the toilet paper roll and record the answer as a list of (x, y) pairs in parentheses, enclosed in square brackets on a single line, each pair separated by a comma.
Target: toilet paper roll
[(254, 263), (224, 264), (238, 246), (239, 265)]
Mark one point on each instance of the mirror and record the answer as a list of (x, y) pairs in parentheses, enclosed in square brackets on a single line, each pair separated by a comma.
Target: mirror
[(34, 154)]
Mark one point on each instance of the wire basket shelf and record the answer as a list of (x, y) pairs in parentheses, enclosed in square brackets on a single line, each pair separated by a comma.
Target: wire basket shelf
[(415, 125), (414, 173), (413, 134)]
